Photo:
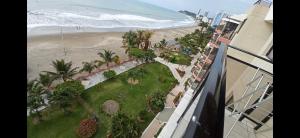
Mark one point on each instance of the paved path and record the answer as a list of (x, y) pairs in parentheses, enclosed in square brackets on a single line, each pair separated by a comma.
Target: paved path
[(154, 126), (99, 77), (171, 66), (180, 87)]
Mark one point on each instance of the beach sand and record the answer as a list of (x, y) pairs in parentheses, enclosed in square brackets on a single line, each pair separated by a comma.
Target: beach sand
[(80, 47)]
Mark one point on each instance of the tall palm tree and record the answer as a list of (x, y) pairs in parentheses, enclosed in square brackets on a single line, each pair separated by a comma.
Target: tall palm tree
[(140, 37), (146, 39), (107, 56), (129, 40), (203, 25), (63, 70)]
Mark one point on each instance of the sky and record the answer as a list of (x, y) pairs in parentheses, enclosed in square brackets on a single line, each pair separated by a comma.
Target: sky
[(212, 6)]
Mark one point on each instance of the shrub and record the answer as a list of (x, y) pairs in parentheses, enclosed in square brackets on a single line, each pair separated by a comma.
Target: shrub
[(142, 55), (149, 56), (64, 94), (156, 102), (172, 59), (124, 127), (143, 114), (87, 128), (109, 74)]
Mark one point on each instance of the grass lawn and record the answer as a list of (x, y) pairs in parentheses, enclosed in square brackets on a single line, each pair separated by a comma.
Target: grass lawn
[(180, 58), (131, 98)]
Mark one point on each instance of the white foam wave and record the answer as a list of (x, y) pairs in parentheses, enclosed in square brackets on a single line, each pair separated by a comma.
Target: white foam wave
[(41, 18)]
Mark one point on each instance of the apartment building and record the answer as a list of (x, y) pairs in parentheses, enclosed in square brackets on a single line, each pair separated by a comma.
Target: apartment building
[(231, 91)]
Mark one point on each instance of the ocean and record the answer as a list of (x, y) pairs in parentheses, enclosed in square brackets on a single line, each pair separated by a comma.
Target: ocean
[(102, 15)]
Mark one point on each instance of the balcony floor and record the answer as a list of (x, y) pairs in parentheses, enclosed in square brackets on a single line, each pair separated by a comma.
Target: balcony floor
[(243, 129)]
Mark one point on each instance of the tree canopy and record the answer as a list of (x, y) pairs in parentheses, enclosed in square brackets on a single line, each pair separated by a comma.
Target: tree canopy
[(65, 93), (63, 70)]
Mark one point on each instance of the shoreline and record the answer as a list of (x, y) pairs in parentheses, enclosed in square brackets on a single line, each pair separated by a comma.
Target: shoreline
[(83, 46), (57, 30)]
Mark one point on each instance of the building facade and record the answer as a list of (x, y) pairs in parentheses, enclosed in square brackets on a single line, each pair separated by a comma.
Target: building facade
[(248, 90)]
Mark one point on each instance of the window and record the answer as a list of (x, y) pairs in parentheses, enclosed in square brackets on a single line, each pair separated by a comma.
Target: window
[(270, 54)]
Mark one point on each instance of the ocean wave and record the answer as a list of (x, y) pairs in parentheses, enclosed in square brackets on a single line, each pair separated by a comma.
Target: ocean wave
[(41, 18)]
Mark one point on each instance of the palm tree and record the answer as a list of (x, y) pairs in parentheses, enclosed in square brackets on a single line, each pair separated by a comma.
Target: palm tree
[(117, 60), (64, 70), (140, 37), (107, 56), (30, 84), (146, 39), (46, 80), (88, 67), (163, 43), (203, 25), (98, 63), (34, 98), (129, 40)]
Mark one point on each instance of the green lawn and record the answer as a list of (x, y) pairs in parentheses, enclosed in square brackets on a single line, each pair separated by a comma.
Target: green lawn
[(132, 100), (178, 58)]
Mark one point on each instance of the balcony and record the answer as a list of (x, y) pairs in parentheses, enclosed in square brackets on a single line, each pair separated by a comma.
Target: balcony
[(233, 99)]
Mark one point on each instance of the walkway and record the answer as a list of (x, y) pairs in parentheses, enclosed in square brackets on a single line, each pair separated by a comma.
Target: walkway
[(180, 87), (99, 77), (157, 122)]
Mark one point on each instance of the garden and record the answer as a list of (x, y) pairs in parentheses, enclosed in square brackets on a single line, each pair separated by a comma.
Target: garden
[(128, 104), (177, 58)]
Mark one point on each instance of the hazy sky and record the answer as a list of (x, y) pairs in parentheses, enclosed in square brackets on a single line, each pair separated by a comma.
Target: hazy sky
[(212, 6)]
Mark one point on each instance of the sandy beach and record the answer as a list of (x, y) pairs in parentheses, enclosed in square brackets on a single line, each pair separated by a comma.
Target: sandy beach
[(80, 47)]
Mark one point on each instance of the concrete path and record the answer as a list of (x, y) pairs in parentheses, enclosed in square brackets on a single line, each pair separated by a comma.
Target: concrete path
[(152, 128), (156, 123), (180, 87), (99, 77), (171, 66)]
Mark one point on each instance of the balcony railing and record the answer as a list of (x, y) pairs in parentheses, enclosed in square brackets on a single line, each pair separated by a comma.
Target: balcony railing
[(202, 113), (208, 117)]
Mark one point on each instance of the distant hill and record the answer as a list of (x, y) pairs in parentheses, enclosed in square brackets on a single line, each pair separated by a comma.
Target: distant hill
[(188, 13)]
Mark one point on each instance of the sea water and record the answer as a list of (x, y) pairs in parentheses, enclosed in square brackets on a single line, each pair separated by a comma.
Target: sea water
[(101, 14)]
